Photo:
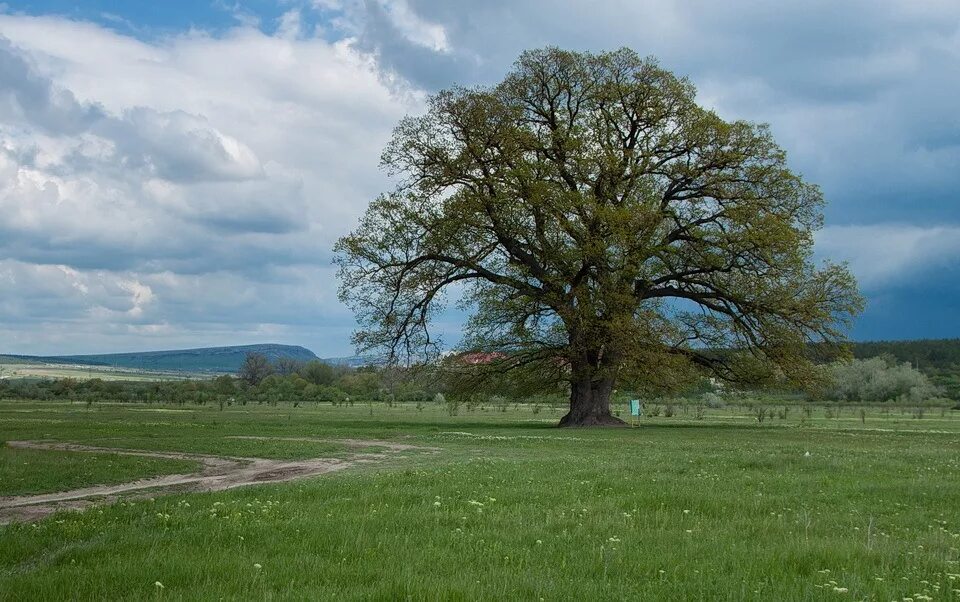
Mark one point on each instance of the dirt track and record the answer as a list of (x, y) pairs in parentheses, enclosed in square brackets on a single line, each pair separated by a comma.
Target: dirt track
[(217, 473)]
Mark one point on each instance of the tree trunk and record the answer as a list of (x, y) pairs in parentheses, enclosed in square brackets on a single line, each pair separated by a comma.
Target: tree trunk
[(590, 404)]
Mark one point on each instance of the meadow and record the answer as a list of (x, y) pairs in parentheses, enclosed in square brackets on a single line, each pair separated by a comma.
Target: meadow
[(492, 503), (19, 369)]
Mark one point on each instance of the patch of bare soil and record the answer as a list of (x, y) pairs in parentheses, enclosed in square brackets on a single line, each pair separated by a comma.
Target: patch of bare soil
[(216, 474)]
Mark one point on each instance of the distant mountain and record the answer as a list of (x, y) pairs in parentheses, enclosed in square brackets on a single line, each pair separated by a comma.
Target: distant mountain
[(207, 359), (354, 361)]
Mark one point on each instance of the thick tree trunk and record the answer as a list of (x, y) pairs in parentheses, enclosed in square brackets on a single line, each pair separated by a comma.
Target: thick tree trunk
[(590, 404)]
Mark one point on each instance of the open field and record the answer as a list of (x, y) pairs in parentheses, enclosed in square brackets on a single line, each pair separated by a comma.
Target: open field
[(493, 505), (23, 369), (25, 471)]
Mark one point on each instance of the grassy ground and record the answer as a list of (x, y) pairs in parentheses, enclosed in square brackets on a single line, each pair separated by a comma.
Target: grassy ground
[(26, 471), (719, 508), (25, 369)]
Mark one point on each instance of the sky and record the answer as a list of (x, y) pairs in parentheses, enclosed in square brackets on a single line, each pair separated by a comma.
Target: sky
[(174, 174)]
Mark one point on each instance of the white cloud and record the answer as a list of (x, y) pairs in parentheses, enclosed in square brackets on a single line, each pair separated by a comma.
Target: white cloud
[(193, 184), (415, 28)]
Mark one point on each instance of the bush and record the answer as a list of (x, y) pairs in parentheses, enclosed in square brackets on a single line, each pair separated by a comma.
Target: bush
[(712, 401), (878, 379), (501, 402)]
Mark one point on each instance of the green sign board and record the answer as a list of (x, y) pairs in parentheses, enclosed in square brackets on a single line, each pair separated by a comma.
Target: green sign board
[(635, 407)]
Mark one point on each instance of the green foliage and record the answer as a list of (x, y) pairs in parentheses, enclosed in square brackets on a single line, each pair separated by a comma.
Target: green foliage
[(319, 373), (922, 353), (879, 379), (712, 400), (255, 368), (606, 227), (225, 385), (939, 359)]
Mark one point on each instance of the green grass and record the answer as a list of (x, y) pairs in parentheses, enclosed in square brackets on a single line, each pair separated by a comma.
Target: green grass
[(28, 471), (15, 368), (512, 508)]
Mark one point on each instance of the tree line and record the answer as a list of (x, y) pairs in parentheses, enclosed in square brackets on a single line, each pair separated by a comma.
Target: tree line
[(874, 380)]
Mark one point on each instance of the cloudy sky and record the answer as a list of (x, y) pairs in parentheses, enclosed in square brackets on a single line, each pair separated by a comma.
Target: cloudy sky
[(175, 173)]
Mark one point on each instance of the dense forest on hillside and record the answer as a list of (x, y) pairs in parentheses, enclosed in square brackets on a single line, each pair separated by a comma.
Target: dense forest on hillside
[(939, 359), (924, 354)]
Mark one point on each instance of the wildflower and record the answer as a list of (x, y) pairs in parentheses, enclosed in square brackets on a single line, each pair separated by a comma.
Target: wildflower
[(158, 585), (840, 590), (806, 454), (539, 541), (436, 503), (614, 540), (686, 512), (257, 565)]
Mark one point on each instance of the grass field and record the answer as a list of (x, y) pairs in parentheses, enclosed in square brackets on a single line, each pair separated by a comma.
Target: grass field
[(24, 471), (492, 505), (11, 368)]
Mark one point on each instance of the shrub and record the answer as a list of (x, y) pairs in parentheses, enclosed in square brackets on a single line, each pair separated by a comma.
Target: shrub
[(878, 379), (712, 401)]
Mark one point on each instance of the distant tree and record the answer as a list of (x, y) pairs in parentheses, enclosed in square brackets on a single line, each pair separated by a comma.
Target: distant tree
[(606, 228), (359, 383), (254, 369), (318, 373), (225, 385), (923, 354), (286, 366), (879, 379)]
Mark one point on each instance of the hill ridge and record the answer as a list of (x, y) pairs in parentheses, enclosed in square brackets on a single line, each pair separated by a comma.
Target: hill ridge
[(226, 359)]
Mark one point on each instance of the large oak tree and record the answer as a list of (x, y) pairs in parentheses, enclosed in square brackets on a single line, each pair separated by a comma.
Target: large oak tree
[(601, 226)]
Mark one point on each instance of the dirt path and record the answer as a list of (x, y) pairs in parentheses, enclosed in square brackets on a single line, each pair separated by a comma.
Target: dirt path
[(216, 474)]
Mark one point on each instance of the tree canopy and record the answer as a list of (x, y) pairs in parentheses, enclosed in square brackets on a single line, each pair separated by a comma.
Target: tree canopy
[(601, 227)]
